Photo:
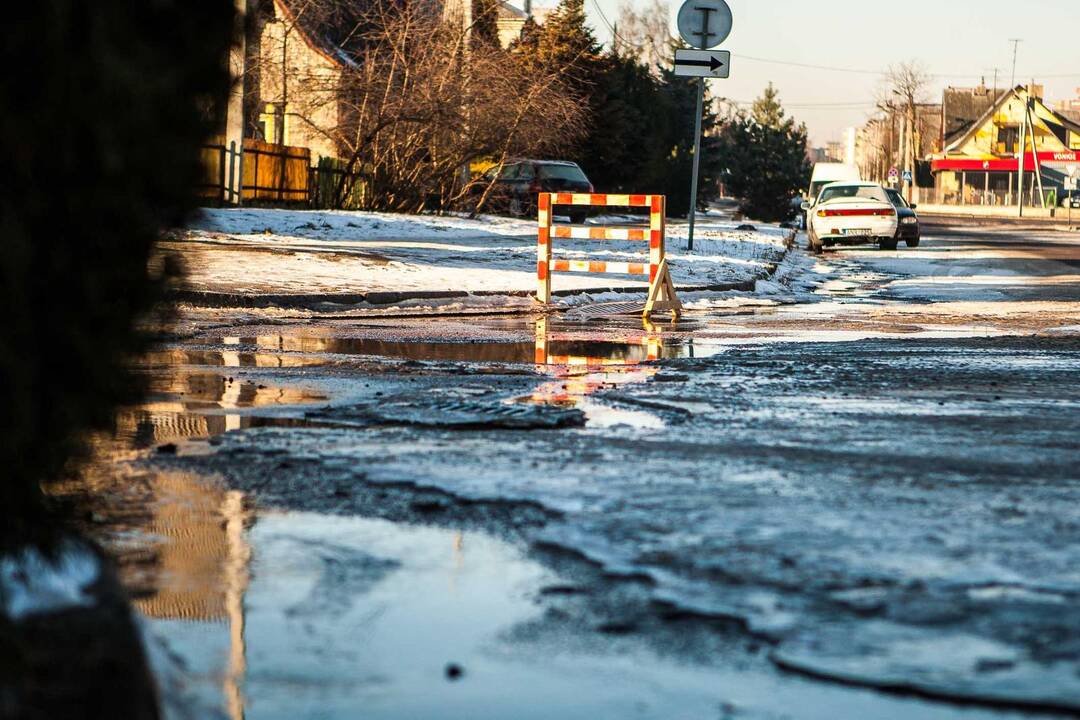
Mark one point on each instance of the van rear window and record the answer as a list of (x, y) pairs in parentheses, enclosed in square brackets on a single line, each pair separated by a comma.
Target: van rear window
[(561, 172)]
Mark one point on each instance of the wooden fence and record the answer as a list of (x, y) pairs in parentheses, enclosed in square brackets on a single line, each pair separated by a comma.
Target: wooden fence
[(270, 173), (278, 173)]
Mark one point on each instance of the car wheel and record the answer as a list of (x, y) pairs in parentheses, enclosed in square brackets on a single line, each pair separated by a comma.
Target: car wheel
[(912, 242), (816, 246), (887, 243), (578, 217)]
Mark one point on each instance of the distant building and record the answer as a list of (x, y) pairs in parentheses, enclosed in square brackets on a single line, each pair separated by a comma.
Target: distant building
[(295, 61), (981, 160), (830, 152), (1069, 109), (877, 146), (512, 19), (960, 107), (848, 148)]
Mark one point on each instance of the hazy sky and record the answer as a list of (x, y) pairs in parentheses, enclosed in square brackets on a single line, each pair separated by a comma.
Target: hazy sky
[(958, 41)]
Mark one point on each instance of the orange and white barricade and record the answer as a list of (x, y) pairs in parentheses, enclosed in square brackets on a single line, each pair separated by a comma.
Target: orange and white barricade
[(661, 297)]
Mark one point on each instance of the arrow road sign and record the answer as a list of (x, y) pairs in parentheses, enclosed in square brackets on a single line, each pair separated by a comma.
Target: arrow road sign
[(703, 63)]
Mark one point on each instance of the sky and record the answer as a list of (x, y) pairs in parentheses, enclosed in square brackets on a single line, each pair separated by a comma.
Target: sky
[(958, 41)]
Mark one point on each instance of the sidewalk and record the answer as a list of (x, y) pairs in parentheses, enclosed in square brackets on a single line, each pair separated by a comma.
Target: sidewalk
[(1049, 215), (303, 259)]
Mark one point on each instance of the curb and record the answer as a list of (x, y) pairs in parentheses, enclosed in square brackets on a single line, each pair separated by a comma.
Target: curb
[(316, 302)]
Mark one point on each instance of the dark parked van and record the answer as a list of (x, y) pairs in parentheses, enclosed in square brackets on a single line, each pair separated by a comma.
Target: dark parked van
[(519, 182)]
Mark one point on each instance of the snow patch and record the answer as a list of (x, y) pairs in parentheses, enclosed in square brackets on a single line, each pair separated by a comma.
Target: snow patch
[(252, 251), (32, 584)]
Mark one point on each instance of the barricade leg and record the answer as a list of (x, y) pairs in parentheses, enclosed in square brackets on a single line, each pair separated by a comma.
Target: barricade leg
[(543, 248), (657, 214)]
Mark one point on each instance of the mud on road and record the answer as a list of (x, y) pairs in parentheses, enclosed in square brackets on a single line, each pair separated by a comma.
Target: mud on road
[(862, 504)]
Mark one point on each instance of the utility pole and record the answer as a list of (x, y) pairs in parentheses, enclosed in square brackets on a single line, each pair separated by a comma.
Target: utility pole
[(1016, 45), (1020, 168)]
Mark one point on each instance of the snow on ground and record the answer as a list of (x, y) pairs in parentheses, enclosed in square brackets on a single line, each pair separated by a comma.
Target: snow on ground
[(282, 252), (31, 583)]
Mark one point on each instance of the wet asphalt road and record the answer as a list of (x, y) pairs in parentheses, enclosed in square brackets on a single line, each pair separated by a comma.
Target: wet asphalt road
[(871, 484)]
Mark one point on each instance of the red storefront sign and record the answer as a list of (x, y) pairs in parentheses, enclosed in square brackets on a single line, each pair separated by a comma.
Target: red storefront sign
[(1005, 164)]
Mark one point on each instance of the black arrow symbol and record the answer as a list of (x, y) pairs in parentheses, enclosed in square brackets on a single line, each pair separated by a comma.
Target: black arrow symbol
[(712, 63)]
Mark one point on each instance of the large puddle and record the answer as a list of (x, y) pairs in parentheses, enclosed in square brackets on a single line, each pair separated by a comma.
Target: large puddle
[(268, 613)]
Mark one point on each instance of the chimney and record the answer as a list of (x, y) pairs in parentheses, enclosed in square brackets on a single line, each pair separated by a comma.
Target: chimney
[(528, 8)]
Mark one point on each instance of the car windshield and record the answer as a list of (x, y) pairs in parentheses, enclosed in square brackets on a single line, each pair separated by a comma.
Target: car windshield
[(897, 199), (857, 192), (562, 172)]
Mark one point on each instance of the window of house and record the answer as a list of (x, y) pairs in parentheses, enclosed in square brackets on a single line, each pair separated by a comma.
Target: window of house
[(274, 123), (1008, 138)]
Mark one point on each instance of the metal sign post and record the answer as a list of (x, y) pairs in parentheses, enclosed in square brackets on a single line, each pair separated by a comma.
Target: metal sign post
[(703, 24)]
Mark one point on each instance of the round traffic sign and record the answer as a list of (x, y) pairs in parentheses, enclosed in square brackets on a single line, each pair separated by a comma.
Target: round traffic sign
[(704, 24)]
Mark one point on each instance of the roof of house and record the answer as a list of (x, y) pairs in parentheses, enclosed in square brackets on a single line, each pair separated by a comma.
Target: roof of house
[(961, 136), (332, 29), (962, 107), (509, 12)]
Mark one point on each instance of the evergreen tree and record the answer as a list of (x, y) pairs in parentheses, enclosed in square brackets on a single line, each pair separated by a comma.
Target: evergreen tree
[(641, 135), (567, 44), (528, 42), (764, 156), (485, 28), (681, 161), (631, 124), (767, 110)]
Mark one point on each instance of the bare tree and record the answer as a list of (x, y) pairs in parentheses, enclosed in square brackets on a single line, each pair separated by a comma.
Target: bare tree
[(645, 34), (906, 87), (416, 102)]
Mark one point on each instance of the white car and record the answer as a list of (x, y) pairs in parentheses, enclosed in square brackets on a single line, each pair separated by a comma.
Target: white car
[(851, 213)]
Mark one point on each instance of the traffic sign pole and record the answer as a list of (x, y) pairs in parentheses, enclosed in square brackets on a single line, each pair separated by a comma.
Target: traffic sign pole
[(714, 19), (697, 161), (697, 131)]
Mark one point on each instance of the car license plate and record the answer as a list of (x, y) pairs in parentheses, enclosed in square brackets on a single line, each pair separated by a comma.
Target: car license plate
[(857, 231)]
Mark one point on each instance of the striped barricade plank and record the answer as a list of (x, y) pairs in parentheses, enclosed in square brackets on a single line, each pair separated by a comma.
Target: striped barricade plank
[(579, 232), (581, 361), (604, 200), (599, 266)]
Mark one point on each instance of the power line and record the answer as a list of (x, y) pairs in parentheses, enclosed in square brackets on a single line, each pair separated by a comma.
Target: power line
[(832, 68), (614, 33), (880, 73), (807, 65)]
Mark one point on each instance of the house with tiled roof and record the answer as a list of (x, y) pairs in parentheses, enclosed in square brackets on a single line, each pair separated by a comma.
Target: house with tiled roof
[(982, 159)]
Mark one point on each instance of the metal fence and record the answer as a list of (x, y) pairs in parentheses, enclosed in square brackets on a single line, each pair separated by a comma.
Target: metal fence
[(987, 198)]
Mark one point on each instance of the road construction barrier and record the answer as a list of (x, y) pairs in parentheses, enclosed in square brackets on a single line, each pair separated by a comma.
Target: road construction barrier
[(661, 297)]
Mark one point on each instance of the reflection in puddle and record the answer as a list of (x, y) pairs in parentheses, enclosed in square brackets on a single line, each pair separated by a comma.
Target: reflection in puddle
[(599, 365), (567, 350), (180, 545)]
